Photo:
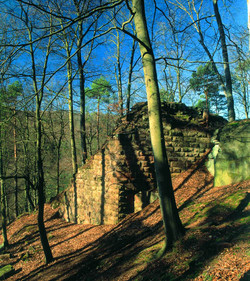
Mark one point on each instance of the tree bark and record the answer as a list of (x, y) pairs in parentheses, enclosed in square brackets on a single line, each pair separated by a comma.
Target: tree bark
[(15, 159), (229, 93), (98, 124), (82, 88), (82, 111), (119, 78), (40, 188), (71, 117), (2, 193), (130, 77), (179, 80), (39, 161), (171, 221)]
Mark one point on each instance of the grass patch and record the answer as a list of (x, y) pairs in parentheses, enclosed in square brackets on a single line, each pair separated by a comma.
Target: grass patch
[(149, 254), (217, 210)]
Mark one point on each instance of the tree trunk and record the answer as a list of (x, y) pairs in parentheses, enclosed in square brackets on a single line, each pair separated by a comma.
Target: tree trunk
[(171, 221), (245, 101), (15, 159), (229, 93), (98, 124), (71, 119), (130, 77), (2, 191), (179, 80), (3, 202), (82, 97), (58, 171), (3, 214), (40, 186), (39, 162), (119, 79), (82, 117)]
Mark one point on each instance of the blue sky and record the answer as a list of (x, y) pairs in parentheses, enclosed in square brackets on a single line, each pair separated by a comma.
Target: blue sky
[(103, 62), (240, 11)]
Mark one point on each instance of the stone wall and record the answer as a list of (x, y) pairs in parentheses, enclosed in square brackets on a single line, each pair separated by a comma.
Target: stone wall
[(120, 178)]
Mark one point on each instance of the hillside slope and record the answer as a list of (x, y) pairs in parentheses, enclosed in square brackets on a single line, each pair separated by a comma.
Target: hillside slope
[(214, 247)]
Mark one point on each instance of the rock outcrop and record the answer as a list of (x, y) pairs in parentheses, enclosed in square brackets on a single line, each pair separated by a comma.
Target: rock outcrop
[(229, 161)]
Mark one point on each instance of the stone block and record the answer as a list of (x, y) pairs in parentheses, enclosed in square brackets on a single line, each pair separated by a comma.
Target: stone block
[(167, 127), (179, 164), (143, 163), (203, 146), (186, 149), (176, 132), (167, 139), (176, 170), (203, 140), (142, 158), (172, 159), (177, 139), (201, 134), (190, 139), (188, 154), (146, 169), (180, 154)]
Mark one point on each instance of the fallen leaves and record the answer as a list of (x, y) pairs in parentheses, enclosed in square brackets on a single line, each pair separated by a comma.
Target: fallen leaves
[(211, 249)]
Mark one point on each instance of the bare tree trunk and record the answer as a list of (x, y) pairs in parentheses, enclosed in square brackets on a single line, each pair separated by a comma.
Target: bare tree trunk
[(38, 123), (171, 221), (179, 80), (58, 171), (119, 78), (130, 77), (71, 118), (3, 196), (98, 124), (29, 205), (229, 93), (245, 102), (82, 91), (82, 113), (40, 188), (15, 160)]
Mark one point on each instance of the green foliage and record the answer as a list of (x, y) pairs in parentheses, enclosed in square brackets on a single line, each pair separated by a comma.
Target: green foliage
[(205, 82), (100, 89), (201, 103), (8, 98)]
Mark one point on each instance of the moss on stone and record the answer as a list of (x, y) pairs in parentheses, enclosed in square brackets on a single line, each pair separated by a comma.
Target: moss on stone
[(232, 164), (6, 271)]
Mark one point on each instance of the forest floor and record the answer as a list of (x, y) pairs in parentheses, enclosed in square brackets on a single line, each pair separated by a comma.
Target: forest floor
[(215, 246)]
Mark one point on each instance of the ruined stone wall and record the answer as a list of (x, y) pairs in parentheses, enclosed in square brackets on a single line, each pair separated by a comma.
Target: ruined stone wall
[(120, 179), (96, 190)]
